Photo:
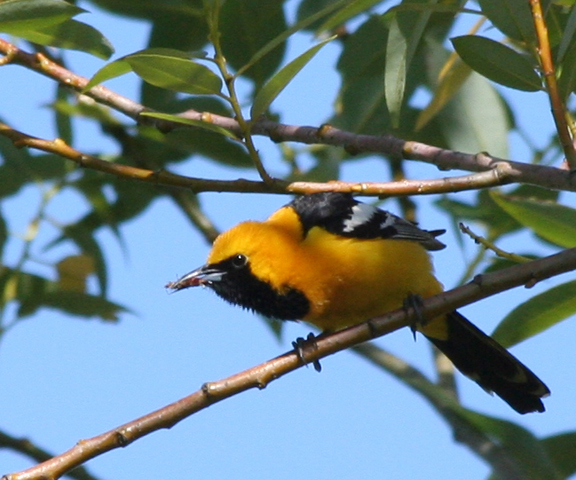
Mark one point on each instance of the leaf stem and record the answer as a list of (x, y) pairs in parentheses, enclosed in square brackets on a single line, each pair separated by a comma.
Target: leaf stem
[(212, 15), (490, 246)]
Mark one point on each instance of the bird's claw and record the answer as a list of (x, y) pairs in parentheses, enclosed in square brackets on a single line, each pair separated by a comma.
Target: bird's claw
[(300, 344), (414, 302)]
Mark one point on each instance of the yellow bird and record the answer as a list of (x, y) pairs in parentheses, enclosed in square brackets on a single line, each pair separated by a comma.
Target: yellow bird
[(332, 261)]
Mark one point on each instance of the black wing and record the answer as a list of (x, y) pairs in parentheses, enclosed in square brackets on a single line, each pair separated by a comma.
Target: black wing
[(341, 214)]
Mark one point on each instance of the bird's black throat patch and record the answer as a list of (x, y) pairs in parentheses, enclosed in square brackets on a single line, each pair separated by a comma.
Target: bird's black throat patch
[(240, 286)]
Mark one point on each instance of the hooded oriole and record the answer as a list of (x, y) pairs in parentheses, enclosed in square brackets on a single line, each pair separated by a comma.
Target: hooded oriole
[(333, 261)]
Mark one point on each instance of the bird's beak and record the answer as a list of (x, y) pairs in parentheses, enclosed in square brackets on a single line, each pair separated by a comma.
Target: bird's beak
[(205, 275)]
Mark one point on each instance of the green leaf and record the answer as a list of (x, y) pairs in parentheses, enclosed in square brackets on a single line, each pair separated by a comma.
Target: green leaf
[(29, 289), (363, 107), (275, 326), (555, 17), (497, 62), (214, 146), (185, 142), (93, 188), (327, 168), (196, 123), (497, 263), (62, 119), (551, 221), (108, 72), (561, 450), (165, 68), (3, 232), (396, 69), (177, 25), (83, 305), (278, 82), (567, 36), (449, 86), (13, 177), (300, 25), (246, 28), (488, 213), (19, 168), (72, 303), (19, 16), (512, 17), (537, 314), (84, 109), (522, 448), (361, 103), (85, 239), (477, 119), (364, 54), (567, 71), (405, 33), (72, 35), (34, 292), (152, 10), (175, 73), (350, 10), (311, 8), (535, 193)]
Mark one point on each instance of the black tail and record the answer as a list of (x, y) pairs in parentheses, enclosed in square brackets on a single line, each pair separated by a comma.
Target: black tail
[(490, 365)]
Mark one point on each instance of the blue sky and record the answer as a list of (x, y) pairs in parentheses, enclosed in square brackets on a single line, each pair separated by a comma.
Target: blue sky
[(64, 379)]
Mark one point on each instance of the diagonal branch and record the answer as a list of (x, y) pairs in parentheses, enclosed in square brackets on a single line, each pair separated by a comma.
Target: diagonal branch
[(547, 177), (482, 286), (497, 173), (160, 177)]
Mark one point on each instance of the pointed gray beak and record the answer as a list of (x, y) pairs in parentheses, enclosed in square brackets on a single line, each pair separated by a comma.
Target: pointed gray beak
[(205, 275)]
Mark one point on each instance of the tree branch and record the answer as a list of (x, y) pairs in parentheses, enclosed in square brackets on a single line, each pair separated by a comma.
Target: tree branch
[(500, 174), (482, 286), (486, 179), (27, 448), (544, 176)]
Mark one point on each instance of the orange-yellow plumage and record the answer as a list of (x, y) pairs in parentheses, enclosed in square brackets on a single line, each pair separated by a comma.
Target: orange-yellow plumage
[(334, 262)]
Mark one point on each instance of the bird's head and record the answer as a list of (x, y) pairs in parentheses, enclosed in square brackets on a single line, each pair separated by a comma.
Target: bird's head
[(244, 268)]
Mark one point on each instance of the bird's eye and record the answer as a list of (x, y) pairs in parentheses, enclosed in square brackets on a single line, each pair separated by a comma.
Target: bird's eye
[(239, 260)]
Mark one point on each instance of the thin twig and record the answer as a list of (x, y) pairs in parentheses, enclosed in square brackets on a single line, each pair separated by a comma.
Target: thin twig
[(260, 376), (191, 208), (229, 80), (475, 181), (490, 246), (558, 107)]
